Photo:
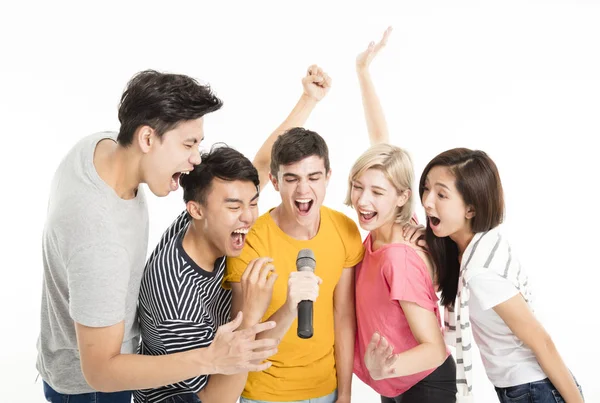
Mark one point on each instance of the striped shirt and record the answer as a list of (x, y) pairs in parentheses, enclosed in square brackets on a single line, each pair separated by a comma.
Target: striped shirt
[(488, 252), (180, 307)]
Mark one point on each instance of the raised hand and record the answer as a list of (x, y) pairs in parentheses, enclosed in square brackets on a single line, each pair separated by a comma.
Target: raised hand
[(234, 352), (380, 358), (316, 83), (257, 288), (363, 60)]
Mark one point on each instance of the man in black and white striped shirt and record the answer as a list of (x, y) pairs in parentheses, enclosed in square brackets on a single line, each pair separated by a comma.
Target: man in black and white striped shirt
[(182, 302)]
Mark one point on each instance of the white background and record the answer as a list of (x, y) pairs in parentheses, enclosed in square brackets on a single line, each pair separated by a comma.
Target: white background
[(518, 79)]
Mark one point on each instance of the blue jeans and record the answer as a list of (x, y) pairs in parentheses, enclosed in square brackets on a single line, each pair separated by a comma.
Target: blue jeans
[(95, 397), (330, 398), (184, 398), (535, 392)]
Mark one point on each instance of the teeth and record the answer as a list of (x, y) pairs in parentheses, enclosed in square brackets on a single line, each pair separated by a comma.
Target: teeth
[(365, 212), (241, 231), (303, 200), (185, 172)]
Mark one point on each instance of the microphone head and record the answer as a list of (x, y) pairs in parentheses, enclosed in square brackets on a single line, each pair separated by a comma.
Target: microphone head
[(306, 260)]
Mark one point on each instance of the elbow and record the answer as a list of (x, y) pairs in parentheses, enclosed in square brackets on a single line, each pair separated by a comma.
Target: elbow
[(99, 381), (441, 354), (543, 345)]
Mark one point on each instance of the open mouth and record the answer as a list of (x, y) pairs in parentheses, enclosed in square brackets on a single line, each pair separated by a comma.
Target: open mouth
[(434, 221), (238, 237), (304, 205), (366, 216), (175, 179)]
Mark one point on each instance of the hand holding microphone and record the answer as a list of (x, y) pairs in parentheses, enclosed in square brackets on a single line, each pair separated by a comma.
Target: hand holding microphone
[(303, 290)]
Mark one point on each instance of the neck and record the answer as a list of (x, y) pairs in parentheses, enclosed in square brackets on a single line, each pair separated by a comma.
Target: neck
[(462, 239), (390, 232), (197, 245), (290, 225), (118, 167)]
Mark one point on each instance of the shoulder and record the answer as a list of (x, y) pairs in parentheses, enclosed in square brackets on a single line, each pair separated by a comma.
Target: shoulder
[(341, 221)]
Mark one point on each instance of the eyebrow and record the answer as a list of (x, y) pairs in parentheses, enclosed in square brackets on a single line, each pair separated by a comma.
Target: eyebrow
[(378, 187), (297, 176), (193, 139), (442, 185), (234, 200)]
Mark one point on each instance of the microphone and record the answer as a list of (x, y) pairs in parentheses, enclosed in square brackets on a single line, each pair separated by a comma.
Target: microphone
[(305, 262)]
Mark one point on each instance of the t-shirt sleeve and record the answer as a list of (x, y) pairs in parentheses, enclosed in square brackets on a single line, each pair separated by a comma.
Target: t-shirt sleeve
[(407, 277), (182, 335), (491, 289), (98, 280), (352, 242), (235, 266)]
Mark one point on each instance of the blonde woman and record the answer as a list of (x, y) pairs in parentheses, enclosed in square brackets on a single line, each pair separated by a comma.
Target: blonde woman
[(400, 350)]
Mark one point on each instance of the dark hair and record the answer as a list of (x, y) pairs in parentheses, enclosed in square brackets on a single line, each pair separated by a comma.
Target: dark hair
[(295, 145), (162, 101), (221, 162), (478, 182)]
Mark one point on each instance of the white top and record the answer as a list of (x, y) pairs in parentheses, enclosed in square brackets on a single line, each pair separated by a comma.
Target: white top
[(507, 360)]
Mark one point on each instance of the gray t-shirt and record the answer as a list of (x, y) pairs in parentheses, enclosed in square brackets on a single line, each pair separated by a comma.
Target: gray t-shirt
[(94, 246)]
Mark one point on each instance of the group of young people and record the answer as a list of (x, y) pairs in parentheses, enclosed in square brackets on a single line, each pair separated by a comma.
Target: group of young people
[(216, 303)]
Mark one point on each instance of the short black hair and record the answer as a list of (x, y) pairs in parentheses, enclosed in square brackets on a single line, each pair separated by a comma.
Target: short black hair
[(295, 145), (162, 101), (221, 162)]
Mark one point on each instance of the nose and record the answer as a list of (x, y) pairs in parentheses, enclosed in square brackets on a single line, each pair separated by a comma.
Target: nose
[(303, 187), (427, 200), (195, 158), (363, 199), (247, 216)]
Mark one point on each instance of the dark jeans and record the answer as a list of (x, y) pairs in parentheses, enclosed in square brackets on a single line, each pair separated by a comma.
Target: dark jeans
[(95, 397), (185, 398), (438, 387), (535, 392)]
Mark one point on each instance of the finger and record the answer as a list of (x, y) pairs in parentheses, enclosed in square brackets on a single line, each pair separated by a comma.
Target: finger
[(258, 267), (263, 344), (386, 35), (259, 367), (258, 328), (264, 272), (391, 360), (231, 326), (383, 344), (374, 341), (271, 280), (422, 243), (311, 69), (263, 355)]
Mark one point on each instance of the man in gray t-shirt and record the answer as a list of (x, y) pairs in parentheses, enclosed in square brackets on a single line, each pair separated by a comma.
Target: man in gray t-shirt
[(95, 242)]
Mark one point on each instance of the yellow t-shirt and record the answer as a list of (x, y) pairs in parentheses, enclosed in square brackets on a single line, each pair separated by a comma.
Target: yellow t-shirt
[(302, 368)]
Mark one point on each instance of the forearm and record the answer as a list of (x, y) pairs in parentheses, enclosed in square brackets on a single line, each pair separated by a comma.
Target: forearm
[(223, 388), (374, 116), (556, 370), (283, 318), (134, 371), (296, 118), (420, 358), (345, 331)]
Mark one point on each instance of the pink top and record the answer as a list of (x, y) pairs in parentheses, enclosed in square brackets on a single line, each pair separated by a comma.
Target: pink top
[(393, 273)]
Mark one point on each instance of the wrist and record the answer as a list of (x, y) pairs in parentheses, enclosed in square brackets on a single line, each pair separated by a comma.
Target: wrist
[(308, 100), (204, 361)]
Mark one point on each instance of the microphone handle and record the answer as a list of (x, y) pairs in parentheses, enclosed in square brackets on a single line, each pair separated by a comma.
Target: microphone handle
[(305, 319)]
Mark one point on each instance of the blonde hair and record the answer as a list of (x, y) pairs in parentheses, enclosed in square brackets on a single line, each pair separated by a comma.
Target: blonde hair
[(396, 165)]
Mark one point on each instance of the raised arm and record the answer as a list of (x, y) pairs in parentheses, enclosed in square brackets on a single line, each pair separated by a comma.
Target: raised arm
[(255, 290), (316, 84), (376, 124)]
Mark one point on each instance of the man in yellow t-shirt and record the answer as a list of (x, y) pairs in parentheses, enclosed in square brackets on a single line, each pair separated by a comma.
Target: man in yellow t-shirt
[(318, 368)]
